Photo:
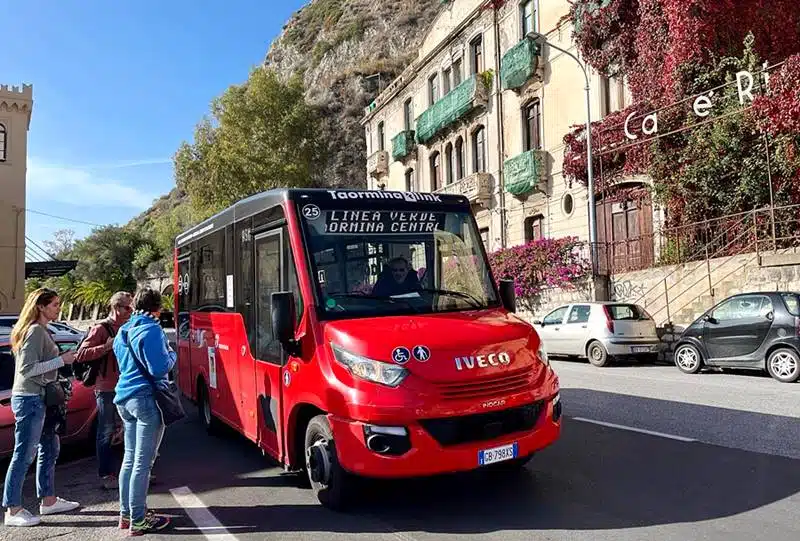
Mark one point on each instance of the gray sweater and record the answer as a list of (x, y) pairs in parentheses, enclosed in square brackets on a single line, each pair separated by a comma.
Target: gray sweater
[(37, 362)]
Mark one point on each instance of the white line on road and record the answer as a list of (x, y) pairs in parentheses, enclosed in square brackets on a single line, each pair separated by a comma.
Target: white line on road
[(634, 429), (201, 516)]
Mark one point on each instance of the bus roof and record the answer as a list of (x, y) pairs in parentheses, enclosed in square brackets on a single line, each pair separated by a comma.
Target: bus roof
[(254, 204)]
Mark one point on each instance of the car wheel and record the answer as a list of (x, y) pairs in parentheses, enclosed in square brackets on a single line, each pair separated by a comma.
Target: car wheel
[(784, 365), (688, 359), (330, 482), (597, 354)]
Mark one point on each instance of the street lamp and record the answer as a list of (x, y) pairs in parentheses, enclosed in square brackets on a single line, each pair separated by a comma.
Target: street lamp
[(541, 40)]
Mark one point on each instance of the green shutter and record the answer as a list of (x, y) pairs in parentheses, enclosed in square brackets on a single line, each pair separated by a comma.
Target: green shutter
[(519, 64), (402, 144), (453, 106), (523, 172)]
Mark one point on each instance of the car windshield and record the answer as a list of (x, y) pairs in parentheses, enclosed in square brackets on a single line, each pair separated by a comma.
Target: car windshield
[(368, 262)]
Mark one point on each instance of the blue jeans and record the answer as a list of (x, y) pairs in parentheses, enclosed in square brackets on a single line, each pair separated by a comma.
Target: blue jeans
[(144, 429), (106, 423), (29, 413)]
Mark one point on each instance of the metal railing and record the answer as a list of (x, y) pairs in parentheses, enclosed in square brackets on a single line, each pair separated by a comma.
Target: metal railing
[(711, 244)]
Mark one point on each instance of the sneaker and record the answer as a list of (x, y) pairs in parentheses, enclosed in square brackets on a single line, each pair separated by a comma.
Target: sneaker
[(21, 519), (150, 523), (110, 482), (61, 506), (125, 521)]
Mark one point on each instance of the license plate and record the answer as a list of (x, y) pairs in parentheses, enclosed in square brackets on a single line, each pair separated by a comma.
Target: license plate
[(641, 349), (498, 454)]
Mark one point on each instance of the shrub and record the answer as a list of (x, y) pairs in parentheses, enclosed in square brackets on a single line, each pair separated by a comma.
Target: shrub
[(541, 264)]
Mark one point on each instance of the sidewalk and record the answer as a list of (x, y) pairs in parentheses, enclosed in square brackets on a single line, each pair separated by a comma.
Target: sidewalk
[(95, 519)]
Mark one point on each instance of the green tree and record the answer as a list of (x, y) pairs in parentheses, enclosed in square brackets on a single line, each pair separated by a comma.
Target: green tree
[(107, 256), (262, 135)]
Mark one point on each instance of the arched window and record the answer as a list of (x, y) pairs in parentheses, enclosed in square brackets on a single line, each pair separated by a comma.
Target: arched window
[(436, 171), (410, 184), (3, 142), (449, 163), (532, 118), (479, 150), (459, 158), (381, 136)]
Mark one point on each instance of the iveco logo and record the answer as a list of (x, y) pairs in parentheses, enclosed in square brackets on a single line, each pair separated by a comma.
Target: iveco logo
[(483, 361), (493, 403)]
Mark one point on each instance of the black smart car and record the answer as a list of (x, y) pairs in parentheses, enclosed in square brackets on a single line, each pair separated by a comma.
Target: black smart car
[(750, 330)]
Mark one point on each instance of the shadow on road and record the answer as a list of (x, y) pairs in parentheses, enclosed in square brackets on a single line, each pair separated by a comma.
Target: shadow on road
[(593, 478)]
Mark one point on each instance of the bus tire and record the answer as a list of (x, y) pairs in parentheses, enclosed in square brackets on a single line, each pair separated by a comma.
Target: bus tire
[(207, 419), (330, 483)]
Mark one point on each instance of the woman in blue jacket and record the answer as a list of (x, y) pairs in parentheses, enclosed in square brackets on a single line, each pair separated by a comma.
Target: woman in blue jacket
[(143, 337)]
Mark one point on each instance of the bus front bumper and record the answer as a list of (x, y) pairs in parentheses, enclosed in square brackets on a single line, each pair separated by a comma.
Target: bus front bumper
[(432, 447)]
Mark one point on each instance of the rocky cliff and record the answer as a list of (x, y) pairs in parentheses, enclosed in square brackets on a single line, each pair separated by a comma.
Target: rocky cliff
[(346, 50)]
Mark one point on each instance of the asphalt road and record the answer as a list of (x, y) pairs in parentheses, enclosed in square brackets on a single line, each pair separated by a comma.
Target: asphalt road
[(721, 461)]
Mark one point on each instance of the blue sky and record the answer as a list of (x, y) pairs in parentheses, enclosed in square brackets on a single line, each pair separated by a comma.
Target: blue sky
[(117, 86)]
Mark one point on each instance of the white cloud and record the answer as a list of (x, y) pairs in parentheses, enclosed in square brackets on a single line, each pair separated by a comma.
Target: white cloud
[(82, 187)]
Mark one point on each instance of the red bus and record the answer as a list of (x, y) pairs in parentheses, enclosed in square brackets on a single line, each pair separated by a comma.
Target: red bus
[(359, 333)]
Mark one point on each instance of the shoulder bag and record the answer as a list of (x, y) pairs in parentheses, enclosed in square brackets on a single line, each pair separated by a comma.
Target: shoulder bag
[(168, 397)]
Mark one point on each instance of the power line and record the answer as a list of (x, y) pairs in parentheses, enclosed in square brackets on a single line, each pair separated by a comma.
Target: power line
[(63, 218)]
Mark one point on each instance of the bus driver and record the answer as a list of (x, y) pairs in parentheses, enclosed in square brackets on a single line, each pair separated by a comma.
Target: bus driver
[(400, 279)]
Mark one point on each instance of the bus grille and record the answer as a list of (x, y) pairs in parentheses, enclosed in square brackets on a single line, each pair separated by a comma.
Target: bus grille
[(503, 384), (483, 426)]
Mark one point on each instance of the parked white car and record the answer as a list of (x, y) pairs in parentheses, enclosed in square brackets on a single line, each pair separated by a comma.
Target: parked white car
[(599, 331)]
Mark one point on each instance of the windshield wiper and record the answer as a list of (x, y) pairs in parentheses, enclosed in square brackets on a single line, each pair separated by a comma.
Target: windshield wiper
[(459, 294)]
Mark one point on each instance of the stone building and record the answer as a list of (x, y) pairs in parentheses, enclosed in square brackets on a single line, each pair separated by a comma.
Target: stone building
[(16, 105), (482, 111)]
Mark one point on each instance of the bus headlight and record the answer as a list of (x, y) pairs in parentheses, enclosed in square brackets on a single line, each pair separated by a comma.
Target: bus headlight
[(387, 374)]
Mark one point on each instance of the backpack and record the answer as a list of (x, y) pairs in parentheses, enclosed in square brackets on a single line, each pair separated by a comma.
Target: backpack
[(86, 372)]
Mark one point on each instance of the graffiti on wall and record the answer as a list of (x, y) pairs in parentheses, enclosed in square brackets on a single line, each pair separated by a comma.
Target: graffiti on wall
[(626, 290)]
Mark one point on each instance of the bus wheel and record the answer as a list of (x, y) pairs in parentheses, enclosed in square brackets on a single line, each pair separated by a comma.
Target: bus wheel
[(330, 482), (210, 424)]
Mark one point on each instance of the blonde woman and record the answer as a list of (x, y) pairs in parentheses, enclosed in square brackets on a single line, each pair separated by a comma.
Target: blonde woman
[(37, 364)]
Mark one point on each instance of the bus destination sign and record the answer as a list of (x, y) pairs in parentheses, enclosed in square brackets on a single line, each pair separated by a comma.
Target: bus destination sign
[(382, 222)]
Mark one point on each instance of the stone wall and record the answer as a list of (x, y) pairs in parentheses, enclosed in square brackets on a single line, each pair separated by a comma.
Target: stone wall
[(679, 294)]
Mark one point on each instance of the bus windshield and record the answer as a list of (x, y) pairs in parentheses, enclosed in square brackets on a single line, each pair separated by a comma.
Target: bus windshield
[(376, 262)]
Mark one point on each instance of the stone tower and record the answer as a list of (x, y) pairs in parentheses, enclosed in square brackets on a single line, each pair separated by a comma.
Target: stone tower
[(16, 105)]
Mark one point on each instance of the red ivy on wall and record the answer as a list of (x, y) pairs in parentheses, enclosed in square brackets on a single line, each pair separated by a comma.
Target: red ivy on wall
[(779, 110), (660, 47)]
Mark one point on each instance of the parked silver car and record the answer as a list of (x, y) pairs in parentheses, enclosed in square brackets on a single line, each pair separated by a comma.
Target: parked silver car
[(599, 331)]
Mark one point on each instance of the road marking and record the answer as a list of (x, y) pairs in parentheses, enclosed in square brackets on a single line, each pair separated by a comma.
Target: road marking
[(207, 523), (634, 429)]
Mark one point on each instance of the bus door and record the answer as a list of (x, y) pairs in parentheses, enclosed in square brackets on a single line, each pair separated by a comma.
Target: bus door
[(183, 331), (270, 270)]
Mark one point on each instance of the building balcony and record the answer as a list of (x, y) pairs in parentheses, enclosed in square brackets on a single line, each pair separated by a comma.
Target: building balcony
[(378, 164), (520, 64), (477, 188), (524, 173), (463, 99), (403, 144)]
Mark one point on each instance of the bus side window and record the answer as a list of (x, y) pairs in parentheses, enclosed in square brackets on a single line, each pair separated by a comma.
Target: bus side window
[(244, 278), (293, 283)]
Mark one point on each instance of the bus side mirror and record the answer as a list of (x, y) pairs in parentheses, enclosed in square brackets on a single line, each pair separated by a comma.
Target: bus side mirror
[(283, 321), (508, 296)]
